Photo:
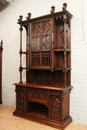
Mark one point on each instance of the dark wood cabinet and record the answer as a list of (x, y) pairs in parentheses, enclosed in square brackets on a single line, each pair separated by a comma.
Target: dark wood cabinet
[(1, 48), (45, 95)]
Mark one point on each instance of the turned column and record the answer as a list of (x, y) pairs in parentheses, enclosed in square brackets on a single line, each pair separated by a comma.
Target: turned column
[(52, 36), (20, 52), (65, 44), (28, 41)]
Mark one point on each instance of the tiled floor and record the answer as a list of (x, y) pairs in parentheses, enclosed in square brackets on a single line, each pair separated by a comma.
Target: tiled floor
[(10, 122)]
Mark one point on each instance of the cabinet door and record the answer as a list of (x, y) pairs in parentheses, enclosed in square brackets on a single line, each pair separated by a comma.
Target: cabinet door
[(40, 43), (20, 99)]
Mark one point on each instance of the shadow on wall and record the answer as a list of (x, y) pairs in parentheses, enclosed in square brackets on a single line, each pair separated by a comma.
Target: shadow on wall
[(4, 4)]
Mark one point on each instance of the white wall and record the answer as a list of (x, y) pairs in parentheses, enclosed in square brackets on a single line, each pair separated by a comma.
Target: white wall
[(9, 32)]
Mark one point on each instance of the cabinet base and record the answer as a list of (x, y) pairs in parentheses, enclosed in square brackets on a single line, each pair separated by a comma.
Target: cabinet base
[(61, 125)]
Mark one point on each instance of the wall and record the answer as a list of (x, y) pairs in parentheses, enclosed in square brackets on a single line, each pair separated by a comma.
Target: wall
[(9, 32)]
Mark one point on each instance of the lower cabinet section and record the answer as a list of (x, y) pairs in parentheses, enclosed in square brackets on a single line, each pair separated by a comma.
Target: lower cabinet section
[(44, 105)]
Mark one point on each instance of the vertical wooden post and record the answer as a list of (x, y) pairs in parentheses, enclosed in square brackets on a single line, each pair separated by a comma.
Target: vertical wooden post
[(52, 36), (65, 44), (21, 29), (28, 41)]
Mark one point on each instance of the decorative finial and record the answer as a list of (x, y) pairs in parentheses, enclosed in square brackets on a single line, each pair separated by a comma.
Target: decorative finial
[(20, 18), (1, 44), (64, 6), (52, 9), (29, 16)]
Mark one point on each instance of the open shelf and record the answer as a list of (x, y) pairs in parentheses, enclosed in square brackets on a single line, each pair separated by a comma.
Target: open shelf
[(38, 110)]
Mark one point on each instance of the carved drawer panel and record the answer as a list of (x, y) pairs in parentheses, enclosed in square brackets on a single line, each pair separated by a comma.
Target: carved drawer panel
[(38, 94)]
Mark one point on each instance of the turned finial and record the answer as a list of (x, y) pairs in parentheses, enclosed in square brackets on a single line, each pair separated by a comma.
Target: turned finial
[(29, 16), (52, 9), (20, 18), (64, 6)]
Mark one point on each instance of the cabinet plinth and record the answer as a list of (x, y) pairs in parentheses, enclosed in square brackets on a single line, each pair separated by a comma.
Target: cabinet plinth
[(45, 96)]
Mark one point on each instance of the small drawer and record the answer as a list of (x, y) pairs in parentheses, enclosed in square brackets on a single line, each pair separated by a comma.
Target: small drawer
[(36, 93)]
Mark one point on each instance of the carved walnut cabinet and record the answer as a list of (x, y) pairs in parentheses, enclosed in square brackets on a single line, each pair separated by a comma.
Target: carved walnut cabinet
[(45, 95)]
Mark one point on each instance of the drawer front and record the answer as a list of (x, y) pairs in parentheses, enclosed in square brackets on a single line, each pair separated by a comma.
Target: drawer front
[(38, 94)]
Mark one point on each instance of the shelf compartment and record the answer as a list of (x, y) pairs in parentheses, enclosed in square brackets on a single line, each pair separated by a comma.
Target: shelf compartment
[(38, 110), (35, 58), (62, 60), (45, 58)]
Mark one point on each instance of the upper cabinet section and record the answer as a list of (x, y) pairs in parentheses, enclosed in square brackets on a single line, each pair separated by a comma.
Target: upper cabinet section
[(47, 40)]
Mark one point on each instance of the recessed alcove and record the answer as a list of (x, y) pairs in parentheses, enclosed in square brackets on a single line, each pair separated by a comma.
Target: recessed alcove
[(38, 110)]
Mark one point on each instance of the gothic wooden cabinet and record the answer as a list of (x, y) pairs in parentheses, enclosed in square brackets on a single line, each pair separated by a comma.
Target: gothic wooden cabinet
[(1, 48), (45, 95)]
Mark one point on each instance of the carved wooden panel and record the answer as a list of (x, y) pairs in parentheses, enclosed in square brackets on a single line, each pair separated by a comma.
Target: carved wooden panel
[(41, 94), (46, 58), (35, 36), (46, 41), (46, 77), (20, 99), (35, 58), (55, 107)]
